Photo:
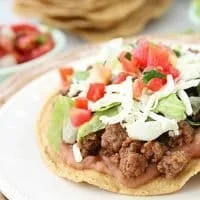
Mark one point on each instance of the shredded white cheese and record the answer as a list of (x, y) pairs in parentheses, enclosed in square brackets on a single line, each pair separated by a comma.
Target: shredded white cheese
[(124, 96), (153, 99), (78, 87), (77, 153), (147, 131), (183, 85), (185, 99)]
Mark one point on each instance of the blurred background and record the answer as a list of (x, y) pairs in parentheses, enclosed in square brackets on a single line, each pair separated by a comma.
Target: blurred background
[(33, 32), (94, 20)]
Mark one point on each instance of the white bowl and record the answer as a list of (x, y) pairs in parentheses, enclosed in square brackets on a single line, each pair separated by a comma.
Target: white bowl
[(60, 41)]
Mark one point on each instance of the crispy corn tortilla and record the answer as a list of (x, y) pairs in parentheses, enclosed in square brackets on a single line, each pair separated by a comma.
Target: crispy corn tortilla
[(119, 18), (158, 186), (70, 8), (101, 18), (133, 24)]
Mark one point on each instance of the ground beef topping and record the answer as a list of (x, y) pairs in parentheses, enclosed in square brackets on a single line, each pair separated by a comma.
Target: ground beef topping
[(112, 139), (153, 151), (133, 157), (186, 135), (129, 145), (90, 145), (133, 165), (173, 163)]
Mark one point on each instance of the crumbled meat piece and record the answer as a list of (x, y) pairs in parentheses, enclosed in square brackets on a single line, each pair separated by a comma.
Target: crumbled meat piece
[(115, 159), (112, 139), (133, 165), (196, 117), (173, 163), (153, 151), (186, 135), (90, 145), (130, 145)]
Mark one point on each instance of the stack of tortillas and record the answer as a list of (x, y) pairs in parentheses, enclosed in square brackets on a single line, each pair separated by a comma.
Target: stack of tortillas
[(94, 19)]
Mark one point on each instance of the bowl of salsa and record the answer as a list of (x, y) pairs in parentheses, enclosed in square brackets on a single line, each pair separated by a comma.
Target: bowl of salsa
[(25, 45)]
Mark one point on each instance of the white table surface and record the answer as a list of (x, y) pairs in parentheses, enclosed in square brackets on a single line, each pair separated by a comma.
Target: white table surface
[(175, 20)]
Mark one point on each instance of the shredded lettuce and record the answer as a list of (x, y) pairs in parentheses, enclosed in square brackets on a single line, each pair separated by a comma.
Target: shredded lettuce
[(171, 107), (59, 114), (95, 124), (81, 75)]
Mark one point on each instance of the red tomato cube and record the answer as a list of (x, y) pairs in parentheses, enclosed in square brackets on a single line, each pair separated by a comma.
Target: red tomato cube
[(155, 84), (120, 77), (81, 102), (65, 73), (141, 53), (129, 64), (79, 116), (96, 91)]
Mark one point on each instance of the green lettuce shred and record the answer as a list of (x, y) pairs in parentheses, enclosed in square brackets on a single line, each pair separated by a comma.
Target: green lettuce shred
[(171, 107), (59, 114)]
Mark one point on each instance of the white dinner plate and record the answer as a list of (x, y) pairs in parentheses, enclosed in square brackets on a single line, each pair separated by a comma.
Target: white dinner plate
[(24, 175)]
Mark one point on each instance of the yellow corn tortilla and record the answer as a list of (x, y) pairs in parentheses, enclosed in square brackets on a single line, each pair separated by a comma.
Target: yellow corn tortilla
[(158, 186), (119, 18)]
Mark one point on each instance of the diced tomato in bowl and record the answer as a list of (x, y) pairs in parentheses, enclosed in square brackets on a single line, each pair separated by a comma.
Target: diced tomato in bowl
[(25, 45), (24, 28)]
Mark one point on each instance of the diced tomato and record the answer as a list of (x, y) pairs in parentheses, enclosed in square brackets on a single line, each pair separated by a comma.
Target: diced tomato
[(120, 77), (155, 84), (24, 28), (65, 74), (138, 87), (141, 53), (79, 116), (81, 102), (96, 91), (128, 65), (159, 56), (174, 72)]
